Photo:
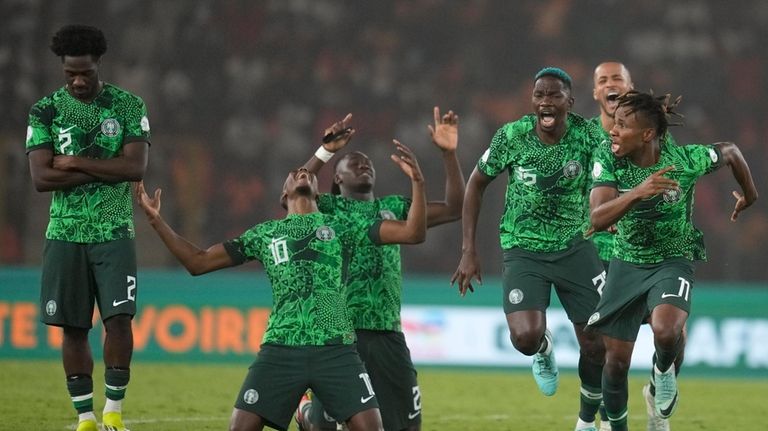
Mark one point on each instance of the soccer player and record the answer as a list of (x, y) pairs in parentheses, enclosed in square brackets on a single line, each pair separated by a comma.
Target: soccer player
[(645, 186), (85, 142), (611, 80), (547, 155), (374, 283), (309, 341)]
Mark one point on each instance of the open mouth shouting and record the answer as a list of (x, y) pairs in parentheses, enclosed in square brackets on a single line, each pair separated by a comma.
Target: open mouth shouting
[(547, 118), (612, 100)]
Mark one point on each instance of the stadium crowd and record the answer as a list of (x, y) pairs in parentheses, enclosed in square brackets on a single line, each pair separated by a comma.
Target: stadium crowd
[(239, 91)]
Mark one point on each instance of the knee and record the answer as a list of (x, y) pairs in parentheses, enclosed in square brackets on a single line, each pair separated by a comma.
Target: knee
[(593, 348), (668, 336), (526, 342), (616, 365), (118, 324)]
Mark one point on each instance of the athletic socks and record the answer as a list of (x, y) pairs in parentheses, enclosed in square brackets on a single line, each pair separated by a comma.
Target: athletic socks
[(615, 395), (80, 388), (115, 381)]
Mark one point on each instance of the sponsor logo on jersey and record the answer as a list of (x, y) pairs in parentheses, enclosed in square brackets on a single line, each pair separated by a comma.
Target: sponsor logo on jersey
[(572, 169), (144, 124), (251, 396), (516, 296), (325, 233), (672, 195), (387, 215), (110, 127), (50, 307)]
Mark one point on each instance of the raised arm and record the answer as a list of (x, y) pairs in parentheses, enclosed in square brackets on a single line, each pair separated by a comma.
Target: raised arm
[(196, 260), (413, 230), (128, 166), (607, 206), (469, 266), (445, 135), (48, 178), (732, 157), (335, 138)]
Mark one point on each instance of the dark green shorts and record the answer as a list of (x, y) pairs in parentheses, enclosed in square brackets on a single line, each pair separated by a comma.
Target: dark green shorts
[(281, 374), (388, 361), (76, 275), (576, 274), (632, 291)]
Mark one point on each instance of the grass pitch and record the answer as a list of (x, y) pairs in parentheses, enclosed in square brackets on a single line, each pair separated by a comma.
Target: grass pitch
[(175, 397)]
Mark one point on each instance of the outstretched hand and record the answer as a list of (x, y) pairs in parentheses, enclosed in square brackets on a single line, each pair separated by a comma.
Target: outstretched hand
[(657, 183), (338, 135), (445, 132), (407, 161), (151, 206), (741, 205), (469, 268)]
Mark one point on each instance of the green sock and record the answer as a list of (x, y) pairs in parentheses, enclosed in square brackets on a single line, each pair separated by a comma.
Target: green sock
[(80, 387), (116, 381), (615, 395), (590, 374)]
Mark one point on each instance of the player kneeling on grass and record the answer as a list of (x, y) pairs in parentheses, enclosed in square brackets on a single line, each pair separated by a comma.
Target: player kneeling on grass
[(309, 341), (656, 242)]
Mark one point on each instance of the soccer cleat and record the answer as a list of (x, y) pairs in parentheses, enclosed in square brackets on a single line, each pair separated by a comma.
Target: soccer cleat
[(655, 422), (87, 425), (113, 421), (304, 405), (585, 426), (545, 368), (666, 392)]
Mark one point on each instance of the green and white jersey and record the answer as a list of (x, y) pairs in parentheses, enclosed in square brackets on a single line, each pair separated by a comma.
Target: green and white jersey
[(661, 227), (374, 279), (304, 257), (97, 211), (548, 185), (604, 240)]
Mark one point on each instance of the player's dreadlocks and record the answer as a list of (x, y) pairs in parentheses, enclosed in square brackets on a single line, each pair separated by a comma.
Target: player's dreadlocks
[(77, 40), (657, 109)]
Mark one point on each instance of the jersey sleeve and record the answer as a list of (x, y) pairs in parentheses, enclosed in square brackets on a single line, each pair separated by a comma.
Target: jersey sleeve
[(702, 159), (39, 126), (500, 155), (246, 247), (136, 121), (403, 206), (603, 168), (361, 232)]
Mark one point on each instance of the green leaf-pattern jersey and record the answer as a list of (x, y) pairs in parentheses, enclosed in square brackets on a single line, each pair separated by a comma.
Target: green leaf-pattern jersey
[(304, 257), (374, 279), (97, 211), (548, 185), (661, 227), (603, 240)]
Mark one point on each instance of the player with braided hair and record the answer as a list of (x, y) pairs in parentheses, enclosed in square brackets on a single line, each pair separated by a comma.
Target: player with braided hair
[(645, 186)]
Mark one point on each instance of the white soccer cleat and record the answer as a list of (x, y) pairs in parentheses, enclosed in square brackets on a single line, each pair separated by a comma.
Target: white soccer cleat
[(655, 422)]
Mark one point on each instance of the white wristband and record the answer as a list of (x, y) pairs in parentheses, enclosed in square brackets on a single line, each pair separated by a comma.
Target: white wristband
[(323, 154)]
